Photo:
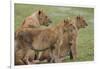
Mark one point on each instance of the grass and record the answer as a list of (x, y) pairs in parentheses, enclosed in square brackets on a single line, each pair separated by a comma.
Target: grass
[(85, 37)]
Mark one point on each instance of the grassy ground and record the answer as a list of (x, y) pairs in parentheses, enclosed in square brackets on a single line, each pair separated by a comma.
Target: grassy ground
[(86, 36)]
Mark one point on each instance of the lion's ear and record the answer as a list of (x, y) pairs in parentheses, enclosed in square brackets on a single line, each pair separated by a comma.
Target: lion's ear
[(78, 17), (39, 12), (64, 20)]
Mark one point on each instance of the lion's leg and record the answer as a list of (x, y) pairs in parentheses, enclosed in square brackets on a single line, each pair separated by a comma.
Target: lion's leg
[(56, 58), (56, 52), (39, 55), (19, 62), (26, 60), (71, 56), (73, 51), (51, 56)]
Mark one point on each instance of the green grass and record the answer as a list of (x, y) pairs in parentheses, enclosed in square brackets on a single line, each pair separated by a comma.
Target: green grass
[(85, 37)]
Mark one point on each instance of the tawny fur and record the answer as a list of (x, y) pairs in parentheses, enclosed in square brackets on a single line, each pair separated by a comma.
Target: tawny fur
[(62, 37), (35, 20), (24, 55), (48, 38), (77, 22), (69, 44)]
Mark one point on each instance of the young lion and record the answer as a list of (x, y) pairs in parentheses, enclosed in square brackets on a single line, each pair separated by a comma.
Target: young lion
[(36, 19), (78, 22), (64, 48), (48, 38)]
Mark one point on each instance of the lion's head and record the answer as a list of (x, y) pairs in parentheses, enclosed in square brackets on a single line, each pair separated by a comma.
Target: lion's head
[(43, 18), (81, 22)]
